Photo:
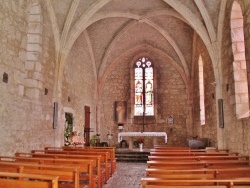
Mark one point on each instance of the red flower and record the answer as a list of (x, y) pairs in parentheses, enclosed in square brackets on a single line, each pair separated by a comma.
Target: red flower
[(140, 139)]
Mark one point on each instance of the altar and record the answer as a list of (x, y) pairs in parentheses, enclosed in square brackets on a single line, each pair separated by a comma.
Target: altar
[(151, 134)]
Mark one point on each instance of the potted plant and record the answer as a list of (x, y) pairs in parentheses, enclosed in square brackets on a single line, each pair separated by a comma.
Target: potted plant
[(68, 134)]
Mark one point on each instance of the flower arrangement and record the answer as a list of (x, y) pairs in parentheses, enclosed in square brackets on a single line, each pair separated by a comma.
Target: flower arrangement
[(78, 143), (140, 139), (75, 133)]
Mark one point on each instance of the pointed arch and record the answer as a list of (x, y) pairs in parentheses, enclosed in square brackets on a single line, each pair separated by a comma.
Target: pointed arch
[(239, 64)]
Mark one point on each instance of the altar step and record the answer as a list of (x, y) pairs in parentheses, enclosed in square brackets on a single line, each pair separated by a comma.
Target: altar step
[(131, 156)]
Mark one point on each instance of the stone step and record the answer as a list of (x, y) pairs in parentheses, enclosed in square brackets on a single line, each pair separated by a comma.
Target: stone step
[(131, 160), (131, 156)]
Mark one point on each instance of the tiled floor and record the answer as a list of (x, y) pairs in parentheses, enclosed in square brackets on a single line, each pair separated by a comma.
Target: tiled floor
[(127, 175)]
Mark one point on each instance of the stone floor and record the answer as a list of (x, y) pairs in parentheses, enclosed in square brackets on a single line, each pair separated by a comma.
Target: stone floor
[(127, 175)]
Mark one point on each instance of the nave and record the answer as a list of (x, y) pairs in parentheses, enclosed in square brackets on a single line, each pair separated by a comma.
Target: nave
[(127, 175), (98, 167)]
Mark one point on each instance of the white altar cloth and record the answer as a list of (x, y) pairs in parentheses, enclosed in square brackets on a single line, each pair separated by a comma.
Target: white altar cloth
[(153, 134)]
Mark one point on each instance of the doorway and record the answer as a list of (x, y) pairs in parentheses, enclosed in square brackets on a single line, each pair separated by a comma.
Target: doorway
[(68, 128), (87, 126)]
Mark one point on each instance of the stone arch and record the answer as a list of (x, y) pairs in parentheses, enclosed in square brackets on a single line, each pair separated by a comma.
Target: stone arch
[(165, 34), (135, 53), (84, 20), (142, 50), (33, 66), (139, 48), (239, 64)]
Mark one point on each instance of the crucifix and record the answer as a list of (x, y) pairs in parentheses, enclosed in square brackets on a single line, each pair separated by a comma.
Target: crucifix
[(144, 109)]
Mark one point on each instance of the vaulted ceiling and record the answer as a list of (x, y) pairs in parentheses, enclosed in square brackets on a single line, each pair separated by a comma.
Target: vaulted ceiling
[(114, 27)]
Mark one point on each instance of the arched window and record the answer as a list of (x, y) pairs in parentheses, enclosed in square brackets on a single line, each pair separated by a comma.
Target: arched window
[(144, 84), (201, 89), (239, 64)]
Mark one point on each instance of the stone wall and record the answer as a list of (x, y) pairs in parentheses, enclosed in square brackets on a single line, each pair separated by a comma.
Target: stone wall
[(235, 135), (209, 130), (171, 99), (79, 86), (26, 117)]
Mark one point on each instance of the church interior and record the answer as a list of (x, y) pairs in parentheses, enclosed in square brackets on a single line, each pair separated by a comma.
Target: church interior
[(84, 71), (81, 79)]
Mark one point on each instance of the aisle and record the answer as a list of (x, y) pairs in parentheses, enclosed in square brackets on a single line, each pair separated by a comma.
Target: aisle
[(127, 175)]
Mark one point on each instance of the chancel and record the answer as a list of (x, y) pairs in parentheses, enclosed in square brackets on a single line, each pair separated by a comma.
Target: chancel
[(141, 134)]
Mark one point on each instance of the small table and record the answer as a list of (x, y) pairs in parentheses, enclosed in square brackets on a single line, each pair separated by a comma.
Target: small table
[(131, 134)]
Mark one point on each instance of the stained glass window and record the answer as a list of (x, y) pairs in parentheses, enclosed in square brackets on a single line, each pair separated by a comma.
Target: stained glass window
[(144, 93)]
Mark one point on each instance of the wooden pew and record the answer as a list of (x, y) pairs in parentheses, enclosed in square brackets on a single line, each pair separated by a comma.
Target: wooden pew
[(95, 158), (183, 165), (196, 158), (111, 153), (202, 183), (21, 180), (187, 150), (198, 173), (66, 174), (86, 166), (171, 147), (197, 164), (110, 150), (165, 153), (183, 176), (103, 154)]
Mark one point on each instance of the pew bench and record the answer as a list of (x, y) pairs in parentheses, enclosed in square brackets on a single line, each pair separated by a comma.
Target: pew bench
[(196, 158), (172, 147), (197, 164), (103, 154), (86, 169), (98, 172), (195, 183), (215, 173), (110, 150), (110, 157), (182, 176), (165, 153), (22, 180), (188, 150), (67, 175)]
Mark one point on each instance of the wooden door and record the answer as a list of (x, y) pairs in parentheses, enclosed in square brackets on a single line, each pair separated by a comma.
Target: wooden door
[(87, 126)]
